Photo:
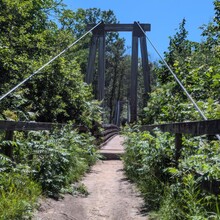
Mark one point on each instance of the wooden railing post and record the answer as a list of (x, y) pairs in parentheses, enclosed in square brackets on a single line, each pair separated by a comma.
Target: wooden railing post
[(178, 145), (8, 150)]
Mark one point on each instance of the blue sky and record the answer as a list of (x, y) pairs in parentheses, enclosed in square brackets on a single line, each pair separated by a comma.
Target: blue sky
[(163, 15)]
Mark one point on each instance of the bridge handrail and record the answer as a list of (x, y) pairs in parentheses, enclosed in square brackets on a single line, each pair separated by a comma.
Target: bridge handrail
[(9, 127), (27, 125), (209, 127)]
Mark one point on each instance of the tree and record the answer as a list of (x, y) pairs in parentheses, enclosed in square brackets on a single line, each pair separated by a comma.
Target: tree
[(115, 76), (115, 48), (28, 40), (211, 31), (25, 35), (76, 23), (178, 50), (197, 67)]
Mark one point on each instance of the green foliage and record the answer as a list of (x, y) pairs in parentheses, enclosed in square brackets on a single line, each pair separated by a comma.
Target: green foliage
[(117, 63), (56, 160), (5, 162), (51, 161), (197, 67), (63, 96), (182, 201), (171, 191), (116, 76), (145, 159), (202, 157), (18, 195), (185, 200), (211, 31), (28, 40)]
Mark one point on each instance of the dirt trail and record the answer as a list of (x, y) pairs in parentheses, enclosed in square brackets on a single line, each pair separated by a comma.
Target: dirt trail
[(111, 196)]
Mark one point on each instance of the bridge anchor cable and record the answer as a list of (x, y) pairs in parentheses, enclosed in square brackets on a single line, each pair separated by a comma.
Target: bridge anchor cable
[(46, 64), (176, 78)]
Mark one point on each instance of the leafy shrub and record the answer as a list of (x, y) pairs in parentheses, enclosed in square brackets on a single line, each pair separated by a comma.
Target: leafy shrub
[(18, 195), (184, 199), (174, 192), (145, 159), (57, 159), (201, 156), (50, 161), (5, 163)]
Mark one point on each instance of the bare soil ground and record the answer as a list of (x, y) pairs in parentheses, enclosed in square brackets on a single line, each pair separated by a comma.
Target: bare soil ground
[(111, 196)]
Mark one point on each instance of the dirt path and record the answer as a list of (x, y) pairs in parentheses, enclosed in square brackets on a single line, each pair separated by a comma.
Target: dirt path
[(111, 196)]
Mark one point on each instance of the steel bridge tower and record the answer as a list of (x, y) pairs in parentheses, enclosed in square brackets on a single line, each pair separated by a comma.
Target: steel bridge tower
[(98, 43)]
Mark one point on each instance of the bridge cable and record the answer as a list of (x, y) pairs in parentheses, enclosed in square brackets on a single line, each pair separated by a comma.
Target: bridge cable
[(176, 78), (46, 64)]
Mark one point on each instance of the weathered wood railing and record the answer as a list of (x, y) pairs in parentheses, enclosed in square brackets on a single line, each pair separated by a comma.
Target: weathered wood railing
[(109, 130), (196, 128), (27, 125), (10, 126)]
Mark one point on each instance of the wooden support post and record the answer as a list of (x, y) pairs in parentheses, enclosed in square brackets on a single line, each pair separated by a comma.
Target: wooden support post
[(178, 145), (91, 61), (134, 73), (146, 68), (118, 113), (8, 151), (115, 113), (128, 113), (101, 68)]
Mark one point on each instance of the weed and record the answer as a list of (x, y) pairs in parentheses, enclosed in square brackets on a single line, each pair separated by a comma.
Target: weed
[(80, 189)]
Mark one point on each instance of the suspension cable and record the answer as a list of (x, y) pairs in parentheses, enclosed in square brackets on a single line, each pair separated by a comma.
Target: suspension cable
[(176, 78), (46, 64)]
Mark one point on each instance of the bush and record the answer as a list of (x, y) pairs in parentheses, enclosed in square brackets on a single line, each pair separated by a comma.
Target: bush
[(172, 191), (57, 159), (145, 159), (18, 196), (50, 161)]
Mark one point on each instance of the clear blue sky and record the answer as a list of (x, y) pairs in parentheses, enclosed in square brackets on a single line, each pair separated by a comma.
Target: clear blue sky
[(163, 15)]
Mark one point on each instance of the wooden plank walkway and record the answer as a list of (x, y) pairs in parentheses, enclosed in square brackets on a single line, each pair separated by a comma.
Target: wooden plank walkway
[(113, 149)]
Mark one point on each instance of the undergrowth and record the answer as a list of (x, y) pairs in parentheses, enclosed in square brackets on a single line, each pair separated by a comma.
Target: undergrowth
[(18, 196), (171, 191), (47, 162)]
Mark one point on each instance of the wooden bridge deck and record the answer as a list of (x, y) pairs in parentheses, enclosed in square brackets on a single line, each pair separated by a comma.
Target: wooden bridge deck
[(113, 149)]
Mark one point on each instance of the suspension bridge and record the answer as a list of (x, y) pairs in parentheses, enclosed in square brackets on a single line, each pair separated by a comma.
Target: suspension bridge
[(208, 127)]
